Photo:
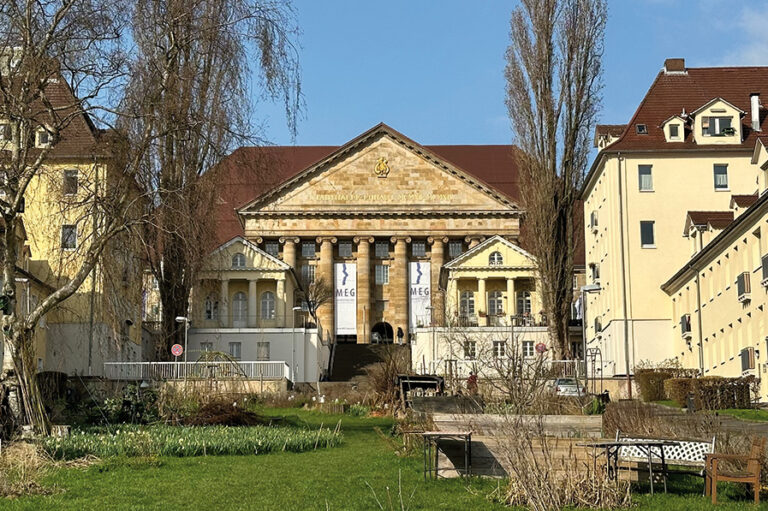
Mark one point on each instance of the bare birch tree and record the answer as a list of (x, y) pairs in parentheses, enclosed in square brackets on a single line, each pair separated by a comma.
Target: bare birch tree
[(554, 84), (58, 61), (190, 87)]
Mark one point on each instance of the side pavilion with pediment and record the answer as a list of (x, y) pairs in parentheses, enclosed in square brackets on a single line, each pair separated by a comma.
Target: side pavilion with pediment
[(377, 219)]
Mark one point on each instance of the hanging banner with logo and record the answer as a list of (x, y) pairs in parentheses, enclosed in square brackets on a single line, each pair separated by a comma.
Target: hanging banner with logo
[(419, 293), (345, 298)]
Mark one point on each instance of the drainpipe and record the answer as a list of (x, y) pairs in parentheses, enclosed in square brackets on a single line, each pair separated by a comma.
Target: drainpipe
[(698, 306), (624, 281)]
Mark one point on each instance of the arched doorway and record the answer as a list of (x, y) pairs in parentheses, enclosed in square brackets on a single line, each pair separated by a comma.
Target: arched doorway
[(382, 333)]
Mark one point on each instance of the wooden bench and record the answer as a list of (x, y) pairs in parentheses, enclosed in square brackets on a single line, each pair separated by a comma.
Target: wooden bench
[(687, 453)]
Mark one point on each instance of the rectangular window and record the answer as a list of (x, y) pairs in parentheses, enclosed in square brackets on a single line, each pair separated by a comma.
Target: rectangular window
[(43, 138), (272, 248), (381, 249), (455, 248), (382, 274), (595, 269), (235, 350), (721, 177), (419, 249), (69, 237), (345, 249), (70, 182), (747, 359), (647, 238), (470, 350), (528, 349), (206, 346), (262, 351), (716, 126), (307, 273), (499, 349), (674, 131), (5, 131), (308, 250), (645, 178)]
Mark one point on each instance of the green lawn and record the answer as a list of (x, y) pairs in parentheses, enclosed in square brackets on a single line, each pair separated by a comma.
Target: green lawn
[(327, 479), (759, 415)]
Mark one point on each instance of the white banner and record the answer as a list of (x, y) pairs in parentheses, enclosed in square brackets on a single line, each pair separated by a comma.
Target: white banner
[(419, 291), (345, 298)]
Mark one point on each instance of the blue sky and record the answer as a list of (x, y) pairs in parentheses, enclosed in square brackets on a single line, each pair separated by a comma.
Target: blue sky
[(434, 69)]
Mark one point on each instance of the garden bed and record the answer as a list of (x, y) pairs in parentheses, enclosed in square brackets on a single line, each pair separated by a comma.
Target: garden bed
[(185, 441)]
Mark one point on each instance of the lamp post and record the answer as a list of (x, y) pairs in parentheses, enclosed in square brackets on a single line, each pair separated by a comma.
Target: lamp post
[(184, 320), (293, 345)]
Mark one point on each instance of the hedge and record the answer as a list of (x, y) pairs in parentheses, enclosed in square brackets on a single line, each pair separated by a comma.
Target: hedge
[(711, 392), (650, 381)]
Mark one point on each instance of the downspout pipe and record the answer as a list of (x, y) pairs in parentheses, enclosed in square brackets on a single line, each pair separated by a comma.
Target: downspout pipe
[(624, 280)]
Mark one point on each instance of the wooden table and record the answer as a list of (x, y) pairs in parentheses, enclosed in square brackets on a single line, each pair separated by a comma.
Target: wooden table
[(612, 448), (431, 438)]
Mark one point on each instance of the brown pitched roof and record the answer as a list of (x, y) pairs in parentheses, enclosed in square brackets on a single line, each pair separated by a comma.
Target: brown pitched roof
[(670, 94), (614, 130), (744, 201), (717, 219)]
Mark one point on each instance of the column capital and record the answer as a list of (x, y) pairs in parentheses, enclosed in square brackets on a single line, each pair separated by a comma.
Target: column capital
[(436, 239), (258, 240), (286, 239), (359, 239), (483, 279), (472, 237), (322, 239), (254, 279), (395, 239)]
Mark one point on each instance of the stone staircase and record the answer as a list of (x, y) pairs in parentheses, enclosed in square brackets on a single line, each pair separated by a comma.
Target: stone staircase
[(351, 361)]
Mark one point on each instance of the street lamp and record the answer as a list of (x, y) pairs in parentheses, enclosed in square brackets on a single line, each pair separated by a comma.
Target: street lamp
[(185, 321), (293, 345)]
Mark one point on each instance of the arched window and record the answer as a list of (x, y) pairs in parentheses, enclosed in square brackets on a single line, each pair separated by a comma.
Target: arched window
[(211, 308), (239, 310), (268, 305), (495, 259), (238, 260), (467, 304), (495, 304), (524, 303)]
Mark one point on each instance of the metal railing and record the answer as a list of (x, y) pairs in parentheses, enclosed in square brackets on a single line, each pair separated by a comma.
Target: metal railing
[(261, 370), (461, 368)]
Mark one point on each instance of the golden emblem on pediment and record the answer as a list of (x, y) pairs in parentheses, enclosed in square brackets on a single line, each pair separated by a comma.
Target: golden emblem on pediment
[(381, 169)]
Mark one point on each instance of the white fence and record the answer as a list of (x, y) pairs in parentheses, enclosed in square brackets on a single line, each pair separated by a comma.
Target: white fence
[(462, 368), (196, 370)]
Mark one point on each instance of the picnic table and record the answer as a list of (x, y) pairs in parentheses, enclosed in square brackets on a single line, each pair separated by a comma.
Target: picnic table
[(647, 446), (431, 438)]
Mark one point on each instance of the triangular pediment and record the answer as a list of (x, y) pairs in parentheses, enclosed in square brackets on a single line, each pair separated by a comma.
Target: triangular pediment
[(382, 171), (510, 256), (222, 258)]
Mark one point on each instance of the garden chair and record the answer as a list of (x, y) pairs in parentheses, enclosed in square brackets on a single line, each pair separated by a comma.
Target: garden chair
[(749, 475)]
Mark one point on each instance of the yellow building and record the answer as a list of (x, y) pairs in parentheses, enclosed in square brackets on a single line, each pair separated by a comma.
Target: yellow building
[(102, 320), (687, 148)]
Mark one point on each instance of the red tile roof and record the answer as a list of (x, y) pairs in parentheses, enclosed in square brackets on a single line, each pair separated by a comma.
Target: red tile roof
[(717, 219), (614, 130), (744, 201), (670, 94)]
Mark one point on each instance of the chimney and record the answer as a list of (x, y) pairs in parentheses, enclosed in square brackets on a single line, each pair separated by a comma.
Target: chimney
[(674, 66), (754, 105)]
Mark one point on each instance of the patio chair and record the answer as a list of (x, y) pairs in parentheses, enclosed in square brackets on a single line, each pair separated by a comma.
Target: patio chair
[(714, 472)]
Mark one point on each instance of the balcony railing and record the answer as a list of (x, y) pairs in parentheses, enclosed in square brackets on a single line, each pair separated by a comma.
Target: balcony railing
[(262, 370)]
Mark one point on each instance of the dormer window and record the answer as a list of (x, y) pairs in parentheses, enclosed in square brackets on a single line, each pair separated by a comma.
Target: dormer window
[(674, 132), (42, 138), (717, 126), (641, 129)]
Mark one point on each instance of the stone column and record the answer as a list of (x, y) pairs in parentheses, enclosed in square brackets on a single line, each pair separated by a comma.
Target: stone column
[(399, 282), (224, 304), (437, 259), (289, 251), (253, 300), (363, 290), (280, 300), (482, 303), (325, 270), (474, 240), (511, 302)]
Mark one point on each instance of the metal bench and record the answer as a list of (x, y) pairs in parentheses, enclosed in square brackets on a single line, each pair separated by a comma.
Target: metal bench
[(686, 453)]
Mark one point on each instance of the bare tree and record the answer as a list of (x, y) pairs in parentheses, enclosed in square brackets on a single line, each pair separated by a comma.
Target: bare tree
[(553, 73), (58, 61), (314, 294), (190, 87)]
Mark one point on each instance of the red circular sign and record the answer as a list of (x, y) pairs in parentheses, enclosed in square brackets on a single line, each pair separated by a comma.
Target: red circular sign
[(541, 347), (177, 350)]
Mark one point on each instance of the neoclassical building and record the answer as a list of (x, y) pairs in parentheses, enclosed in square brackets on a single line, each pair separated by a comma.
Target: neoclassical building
[(376, 220)]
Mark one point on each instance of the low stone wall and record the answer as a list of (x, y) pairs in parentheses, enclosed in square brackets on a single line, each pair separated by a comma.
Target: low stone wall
[(566, 426), (228, 387)]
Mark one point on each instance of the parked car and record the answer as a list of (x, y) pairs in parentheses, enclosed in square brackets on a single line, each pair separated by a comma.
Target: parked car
[(568, 387)]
